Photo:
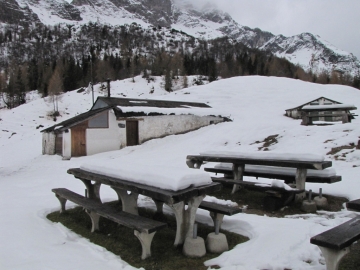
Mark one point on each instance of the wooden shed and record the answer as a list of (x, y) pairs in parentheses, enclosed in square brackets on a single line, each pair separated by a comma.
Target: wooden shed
[(113, 123)]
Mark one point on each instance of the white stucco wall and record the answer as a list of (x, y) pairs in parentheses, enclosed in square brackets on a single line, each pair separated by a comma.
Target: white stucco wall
[(48, 143), (103, 139), (66, 147), (151, 127)]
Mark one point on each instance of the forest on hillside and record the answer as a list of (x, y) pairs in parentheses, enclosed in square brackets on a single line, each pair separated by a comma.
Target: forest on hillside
[(60, 58)]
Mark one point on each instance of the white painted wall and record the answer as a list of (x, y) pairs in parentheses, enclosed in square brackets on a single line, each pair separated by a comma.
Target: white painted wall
[(66, 144), (103, 139), (159, 126), (48, 143)]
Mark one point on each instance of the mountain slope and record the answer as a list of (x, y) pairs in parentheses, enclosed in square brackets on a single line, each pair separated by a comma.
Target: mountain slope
[(206, 22)]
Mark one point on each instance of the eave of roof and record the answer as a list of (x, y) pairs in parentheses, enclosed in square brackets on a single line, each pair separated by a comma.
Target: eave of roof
[(75, 120), (298, 107), (133, 102)]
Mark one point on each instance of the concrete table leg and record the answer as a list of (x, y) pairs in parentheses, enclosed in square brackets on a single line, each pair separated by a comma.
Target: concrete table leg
[(238, 171), (333, 257), (300, 179), (129, 201), (92, 189), (145, 240), (190, 214), (179, 209), (185, 219), (159, 206)]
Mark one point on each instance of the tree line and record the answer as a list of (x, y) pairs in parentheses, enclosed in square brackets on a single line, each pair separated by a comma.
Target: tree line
[(64, 57)]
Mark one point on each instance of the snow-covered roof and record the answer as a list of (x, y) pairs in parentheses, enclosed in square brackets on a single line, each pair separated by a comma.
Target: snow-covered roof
[(300, 106), (155, 103), (75, 120), (329, 107)]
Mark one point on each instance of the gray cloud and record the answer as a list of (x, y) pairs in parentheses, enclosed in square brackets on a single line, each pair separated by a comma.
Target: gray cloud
[(335, 21)]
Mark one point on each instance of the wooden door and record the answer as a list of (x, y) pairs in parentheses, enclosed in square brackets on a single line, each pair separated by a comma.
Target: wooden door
[(58, 144), (78, 141), (132, 133)]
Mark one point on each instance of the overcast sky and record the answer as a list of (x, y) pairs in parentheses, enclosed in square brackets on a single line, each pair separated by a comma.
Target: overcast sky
[(337, 21)]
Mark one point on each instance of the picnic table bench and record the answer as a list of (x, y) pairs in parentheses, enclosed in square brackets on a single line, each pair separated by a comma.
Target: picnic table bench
[(144, 228), (285, 195), (176, 200), (239, 161), (286, 174), (336, 242)]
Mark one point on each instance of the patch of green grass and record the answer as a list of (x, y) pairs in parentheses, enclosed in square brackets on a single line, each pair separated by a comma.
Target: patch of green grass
[(254, 202), (121, 240)]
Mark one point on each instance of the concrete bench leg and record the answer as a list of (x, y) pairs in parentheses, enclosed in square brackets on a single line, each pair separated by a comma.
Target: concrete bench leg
[(145, 240), (129, 201), (62, 203), (217, 216), (94, 220), (333, 257)]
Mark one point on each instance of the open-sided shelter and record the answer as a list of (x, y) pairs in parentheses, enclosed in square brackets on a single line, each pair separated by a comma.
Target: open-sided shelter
[(296, 112)]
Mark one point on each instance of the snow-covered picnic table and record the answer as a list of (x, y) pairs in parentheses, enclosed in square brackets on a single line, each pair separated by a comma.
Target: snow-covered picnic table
[(299, 162), (176, 187)]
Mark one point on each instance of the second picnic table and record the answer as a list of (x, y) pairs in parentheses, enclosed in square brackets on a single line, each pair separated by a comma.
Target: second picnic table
[(238, 161)]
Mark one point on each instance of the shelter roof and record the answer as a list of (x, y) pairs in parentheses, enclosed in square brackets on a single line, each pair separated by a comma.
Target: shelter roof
[(133, 102), (75, 120), (300, 106)]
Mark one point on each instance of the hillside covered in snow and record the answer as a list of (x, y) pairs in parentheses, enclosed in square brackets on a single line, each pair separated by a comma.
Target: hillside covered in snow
[(256, 105)]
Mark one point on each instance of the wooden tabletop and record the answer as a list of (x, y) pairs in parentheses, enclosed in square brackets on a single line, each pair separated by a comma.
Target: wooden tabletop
[(166, 196)]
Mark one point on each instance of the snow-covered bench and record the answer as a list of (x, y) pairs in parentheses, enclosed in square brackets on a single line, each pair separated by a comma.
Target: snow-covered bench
[(144, 228), (327, 175), (336, 242), (298, 164)]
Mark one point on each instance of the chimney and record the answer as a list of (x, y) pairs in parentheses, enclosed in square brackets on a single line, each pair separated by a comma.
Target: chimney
[(108, 86)]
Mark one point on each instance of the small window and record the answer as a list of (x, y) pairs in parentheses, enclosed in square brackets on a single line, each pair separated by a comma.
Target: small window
[(99, 121)]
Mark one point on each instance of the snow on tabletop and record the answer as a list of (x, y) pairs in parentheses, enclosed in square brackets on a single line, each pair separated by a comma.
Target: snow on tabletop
[(334, 106), (164, 177), (278, 170), (267, 155)]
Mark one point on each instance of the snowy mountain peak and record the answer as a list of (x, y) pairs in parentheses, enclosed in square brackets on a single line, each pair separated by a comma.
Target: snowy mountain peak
[(204, 21)]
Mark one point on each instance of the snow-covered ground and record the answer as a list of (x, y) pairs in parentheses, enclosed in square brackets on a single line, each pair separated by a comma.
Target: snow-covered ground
[(255, 104)]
